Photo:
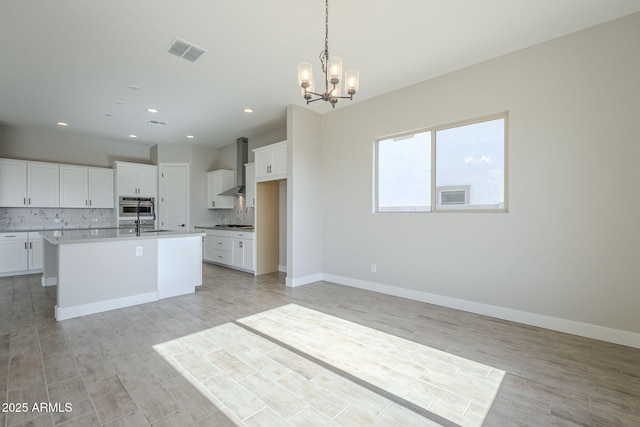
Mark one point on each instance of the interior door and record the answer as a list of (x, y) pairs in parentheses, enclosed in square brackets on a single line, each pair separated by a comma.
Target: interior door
[(173, 206)]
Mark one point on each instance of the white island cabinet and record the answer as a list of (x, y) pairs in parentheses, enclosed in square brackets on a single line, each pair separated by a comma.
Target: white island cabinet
[(105, 269)]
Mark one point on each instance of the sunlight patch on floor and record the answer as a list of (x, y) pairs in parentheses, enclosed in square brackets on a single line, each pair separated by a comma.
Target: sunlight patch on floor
[(452, 387), (292, 364)]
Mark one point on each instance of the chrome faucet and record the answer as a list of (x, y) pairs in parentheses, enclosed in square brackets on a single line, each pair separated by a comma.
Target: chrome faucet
[(138, 218), (138, 222)]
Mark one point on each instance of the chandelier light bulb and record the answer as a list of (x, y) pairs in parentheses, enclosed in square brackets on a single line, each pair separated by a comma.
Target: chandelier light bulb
[(352, 81), (335, 70), (305, 74)]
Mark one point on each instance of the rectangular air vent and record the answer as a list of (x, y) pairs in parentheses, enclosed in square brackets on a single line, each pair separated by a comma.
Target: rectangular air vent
[(453, 195), (185, 50)]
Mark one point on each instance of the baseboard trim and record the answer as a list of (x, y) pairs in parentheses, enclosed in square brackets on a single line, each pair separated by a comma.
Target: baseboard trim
[(305, 280), (587, 330), (49, 281), (98, 307)]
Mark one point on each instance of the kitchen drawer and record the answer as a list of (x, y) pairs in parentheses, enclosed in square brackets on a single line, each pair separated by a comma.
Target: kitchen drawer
[(220, 233), (220, 243), (5, 237), (223, 257), (242, 235)]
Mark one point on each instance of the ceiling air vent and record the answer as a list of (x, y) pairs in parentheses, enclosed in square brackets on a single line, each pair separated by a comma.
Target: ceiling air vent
[(185, 50), (156, 123)]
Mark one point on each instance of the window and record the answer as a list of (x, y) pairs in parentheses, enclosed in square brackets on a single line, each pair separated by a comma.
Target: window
[(455, 167), (404, 177)]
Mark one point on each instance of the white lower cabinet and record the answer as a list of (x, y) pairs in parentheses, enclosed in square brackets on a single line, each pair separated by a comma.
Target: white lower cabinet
[(230, 248), (243, 254), (20, 253), (35, 248)]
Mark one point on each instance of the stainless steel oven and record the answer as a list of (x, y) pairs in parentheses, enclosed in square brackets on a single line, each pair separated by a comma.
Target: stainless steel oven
[(136, 207)]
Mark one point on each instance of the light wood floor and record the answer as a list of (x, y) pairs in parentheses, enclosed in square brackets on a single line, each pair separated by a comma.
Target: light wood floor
[(249, 351)]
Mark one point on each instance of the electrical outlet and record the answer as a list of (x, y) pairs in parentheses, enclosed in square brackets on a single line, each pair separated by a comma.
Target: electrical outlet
[(374, 268), (138, 250)]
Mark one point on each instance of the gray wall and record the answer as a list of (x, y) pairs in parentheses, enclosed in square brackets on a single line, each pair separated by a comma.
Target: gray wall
[(305, 207), (567, 250), (62, 147)]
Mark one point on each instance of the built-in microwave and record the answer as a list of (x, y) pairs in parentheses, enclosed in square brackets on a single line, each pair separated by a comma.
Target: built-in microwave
[(132, 207)]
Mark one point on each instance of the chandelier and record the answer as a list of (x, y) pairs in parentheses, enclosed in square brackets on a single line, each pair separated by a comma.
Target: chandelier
[(332, 69)]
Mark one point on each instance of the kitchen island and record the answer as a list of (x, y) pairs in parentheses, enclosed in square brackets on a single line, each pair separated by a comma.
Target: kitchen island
[(105, 269)]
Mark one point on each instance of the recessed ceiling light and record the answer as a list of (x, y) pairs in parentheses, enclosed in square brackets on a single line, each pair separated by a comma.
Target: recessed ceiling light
[(190, 136), (132, 136), (152, 110), (248, 110), (62, 124)]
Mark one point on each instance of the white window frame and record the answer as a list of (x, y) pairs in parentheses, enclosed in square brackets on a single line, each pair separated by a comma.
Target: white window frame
[(436, 207)]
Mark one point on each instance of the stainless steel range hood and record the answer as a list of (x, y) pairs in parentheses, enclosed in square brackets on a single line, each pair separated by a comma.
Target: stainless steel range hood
[(242, 157)]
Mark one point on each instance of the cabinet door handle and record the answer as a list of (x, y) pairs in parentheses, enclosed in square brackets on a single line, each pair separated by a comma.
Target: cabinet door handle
[(25, 201), (30, 245), (241, 244), (25, 245), (86, 203), (29, 200), (90, 203)]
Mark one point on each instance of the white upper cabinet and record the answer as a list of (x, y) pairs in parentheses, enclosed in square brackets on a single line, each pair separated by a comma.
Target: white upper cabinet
[(13, 183), (49, 185), (250, 185), (148, 181), (43, 186), (101, 188), (217, 182), (271, 162), (74, 187), (134, 179), (82, 187)]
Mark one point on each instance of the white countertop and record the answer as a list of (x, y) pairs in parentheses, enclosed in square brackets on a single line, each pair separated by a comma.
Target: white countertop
[(227, 227), (58, 237)]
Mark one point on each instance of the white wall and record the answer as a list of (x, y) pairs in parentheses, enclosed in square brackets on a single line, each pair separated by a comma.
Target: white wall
[(567, 250), (58, 146), (304, 187)]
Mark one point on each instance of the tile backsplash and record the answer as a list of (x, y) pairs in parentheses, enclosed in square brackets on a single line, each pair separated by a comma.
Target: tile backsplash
[(55, 218), (238, 215)]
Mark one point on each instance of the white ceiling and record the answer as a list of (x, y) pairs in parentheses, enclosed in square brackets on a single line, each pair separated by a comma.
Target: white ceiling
[(71, 60)]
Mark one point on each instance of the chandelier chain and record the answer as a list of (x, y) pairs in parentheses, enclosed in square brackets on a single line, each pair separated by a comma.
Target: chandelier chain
[(324, 55)]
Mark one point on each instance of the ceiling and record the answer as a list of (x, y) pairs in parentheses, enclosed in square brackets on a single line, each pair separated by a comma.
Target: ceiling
[(99, 65)]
